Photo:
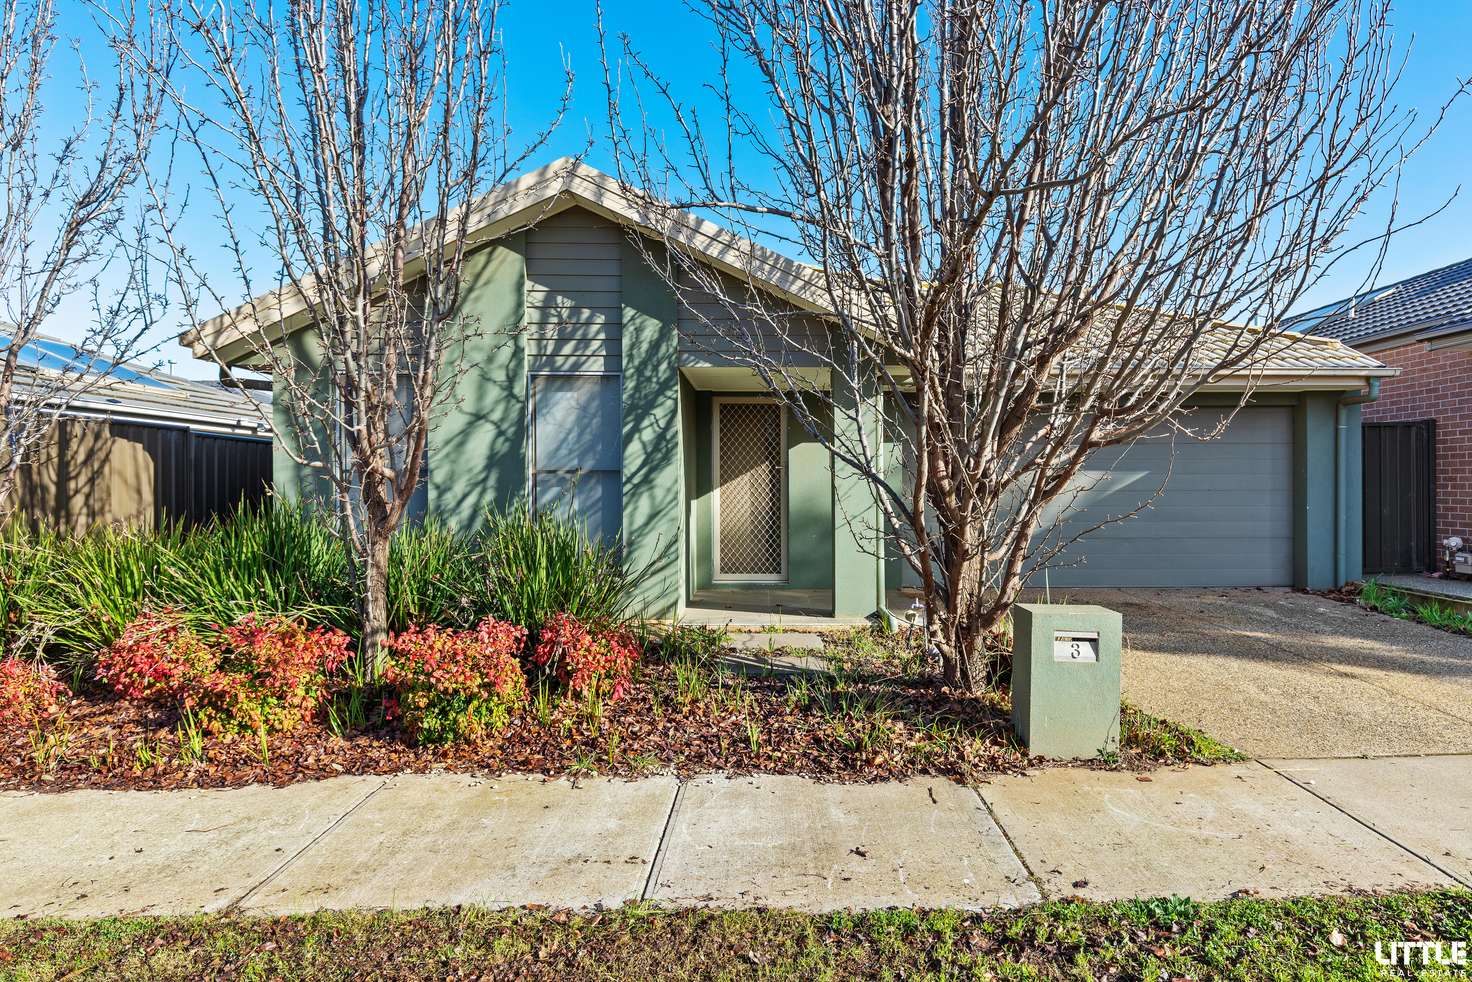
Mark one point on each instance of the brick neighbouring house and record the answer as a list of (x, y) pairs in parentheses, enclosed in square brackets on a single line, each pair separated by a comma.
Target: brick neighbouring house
[(1422, 326)]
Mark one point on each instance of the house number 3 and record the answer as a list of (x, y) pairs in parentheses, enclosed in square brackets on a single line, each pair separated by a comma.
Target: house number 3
[(1075, 646)]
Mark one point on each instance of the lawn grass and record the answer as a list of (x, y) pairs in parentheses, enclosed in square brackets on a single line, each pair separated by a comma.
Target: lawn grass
[(1166, 741), (1174, 938)]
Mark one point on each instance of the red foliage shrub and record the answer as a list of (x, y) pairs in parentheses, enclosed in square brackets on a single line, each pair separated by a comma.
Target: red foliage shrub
[(454, 684), (29, 691), (157, 657), (274, 673), (270, 674), (587, 661)]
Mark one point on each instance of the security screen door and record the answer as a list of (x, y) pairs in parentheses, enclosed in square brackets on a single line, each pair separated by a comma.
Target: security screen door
[(750, 499)]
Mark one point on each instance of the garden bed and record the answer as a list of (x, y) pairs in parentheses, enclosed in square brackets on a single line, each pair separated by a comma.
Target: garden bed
[(686, 715), (229, 655), (1405, 606)]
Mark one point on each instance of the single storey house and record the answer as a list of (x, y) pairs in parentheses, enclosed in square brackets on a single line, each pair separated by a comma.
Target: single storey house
[(596, 370), (1418, 433)]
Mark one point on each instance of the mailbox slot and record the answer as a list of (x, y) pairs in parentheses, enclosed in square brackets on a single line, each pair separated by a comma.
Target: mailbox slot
[(1076, 647)]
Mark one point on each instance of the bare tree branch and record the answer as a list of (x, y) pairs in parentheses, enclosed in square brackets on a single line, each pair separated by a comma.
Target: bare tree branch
[(1039, 225), (361, 133), (65, 222)]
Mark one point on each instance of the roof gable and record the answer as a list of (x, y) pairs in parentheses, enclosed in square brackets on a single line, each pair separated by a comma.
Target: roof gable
[(569, 183)]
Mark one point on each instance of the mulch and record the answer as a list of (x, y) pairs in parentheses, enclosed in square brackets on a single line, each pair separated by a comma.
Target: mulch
[(754, 725)]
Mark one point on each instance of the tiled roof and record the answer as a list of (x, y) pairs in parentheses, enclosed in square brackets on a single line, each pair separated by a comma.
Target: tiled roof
[(527, 198), (1429, 302), (1288, 354)]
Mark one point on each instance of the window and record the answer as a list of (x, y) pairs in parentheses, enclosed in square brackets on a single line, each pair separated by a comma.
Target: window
[(577, 454)]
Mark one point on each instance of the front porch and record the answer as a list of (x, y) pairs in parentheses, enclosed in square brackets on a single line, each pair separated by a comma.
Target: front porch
[(774, 536)]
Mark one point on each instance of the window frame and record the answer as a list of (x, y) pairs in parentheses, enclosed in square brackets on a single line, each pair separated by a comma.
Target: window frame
[(531, 438)]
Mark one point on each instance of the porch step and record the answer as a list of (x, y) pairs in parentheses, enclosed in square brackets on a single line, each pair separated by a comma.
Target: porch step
[(783, 653), (770, 640)]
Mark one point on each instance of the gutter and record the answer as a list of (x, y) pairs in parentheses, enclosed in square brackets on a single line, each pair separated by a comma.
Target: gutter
[(1342, 489)]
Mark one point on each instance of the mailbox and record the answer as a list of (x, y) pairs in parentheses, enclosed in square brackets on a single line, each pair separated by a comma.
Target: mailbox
[(1065, 679)]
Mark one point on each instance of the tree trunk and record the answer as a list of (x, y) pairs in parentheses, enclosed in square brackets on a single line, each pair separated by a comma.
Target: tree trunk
[(962, 639), (375, 599)]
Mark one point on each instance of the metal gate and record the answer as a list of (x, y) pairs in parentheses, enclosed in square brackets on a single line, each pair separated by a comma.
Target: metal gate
[(1400, 496)]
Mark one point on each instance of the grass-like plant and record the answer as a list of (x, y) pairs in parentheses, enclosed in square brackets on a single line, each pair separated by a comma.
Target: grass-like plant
[(537, 565), (25, 561), (280, 559), (1397, 603), (70, 596), (435, 576)]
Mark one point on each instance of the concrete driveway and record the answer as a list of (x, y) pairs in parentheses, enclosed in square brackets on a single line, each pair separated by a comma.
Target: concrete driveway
[(1282, 674)]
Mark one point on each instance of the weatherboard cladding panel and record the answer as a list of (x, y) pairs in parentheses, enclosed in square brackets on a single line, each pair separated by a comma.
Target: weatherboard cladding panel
[(574, 294), (709, 328)]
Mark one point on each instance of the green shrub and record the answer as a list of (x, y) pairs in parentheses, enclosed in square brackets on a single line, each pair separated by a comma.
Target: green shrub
[(539, 565), (73, 595), (452, 685), (260, 674)]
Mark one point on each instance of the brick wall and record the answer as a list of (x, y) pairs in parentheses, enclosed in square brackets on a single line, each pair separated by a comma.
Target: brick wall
[(1435, 385)]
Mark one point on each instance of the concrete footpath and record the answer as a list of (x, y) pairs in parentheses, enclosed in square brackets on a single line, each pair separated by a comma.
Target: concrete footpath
[(1265, 828)]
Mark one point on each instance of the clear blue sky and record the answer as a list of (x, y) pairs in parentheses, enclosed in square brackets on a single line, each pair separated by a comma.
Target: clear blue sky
[(677, 44)]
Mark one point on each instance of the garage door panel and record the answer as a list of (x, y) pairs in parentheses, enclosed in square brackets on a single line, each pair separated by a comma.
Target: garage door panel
[(1224, 518), (1190, 497), (1169, 534), (1235, 551), (1211, 458)]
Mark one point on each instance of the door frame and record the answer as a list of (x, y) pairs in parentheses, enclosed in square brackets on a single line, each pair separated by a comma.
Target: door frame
[(715, 460)]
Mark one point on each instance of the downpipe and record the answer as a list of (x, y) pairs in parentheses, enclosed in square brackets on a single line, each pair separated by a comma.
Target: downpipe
[(1341, 476)]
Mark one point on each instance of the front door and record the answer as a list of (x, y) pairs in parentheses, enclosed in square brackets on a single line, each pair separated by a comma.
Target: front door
[(751, 491)]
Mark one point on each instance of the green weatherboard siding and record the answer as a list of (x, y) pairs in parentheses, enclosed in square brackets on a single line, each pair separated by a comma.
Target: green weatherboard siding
[(292, 477), (857, 554), (809, 509), (477, 448), (652, 481)]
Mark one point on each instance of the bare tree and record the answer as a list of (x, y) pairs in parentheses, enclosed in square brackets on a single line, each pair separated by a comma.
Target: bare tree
[(1033, 226), (64, 228), (344, 144)]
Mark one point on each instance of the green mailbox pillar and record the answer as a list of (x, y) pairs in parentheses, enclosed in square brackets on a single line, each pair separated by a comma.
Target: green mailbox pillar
[(1065, 679)]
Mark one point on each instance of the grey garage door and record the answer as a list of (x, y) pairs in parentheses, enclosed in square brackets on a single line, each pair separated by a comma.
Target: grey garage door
[(1224, 519)]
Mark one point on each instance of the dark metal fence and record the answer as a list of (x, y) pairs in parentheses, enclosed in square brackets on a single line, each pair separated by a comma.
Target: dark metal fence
[(1400, 496), (94, 471)]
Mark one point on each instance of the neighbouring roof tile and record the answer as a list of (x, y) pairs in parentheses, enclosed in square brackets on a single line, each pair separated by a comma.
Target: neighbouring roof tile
[(1441, 298)]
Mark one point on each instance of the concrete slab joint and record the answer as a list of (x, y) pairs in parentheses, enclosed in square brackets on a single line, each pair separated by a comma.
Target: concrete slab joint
[(1276, 828)]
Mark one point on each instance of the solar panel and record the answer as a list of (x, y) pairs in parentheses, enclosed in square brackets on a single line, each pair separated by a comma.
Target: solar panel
[(49, 354)]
